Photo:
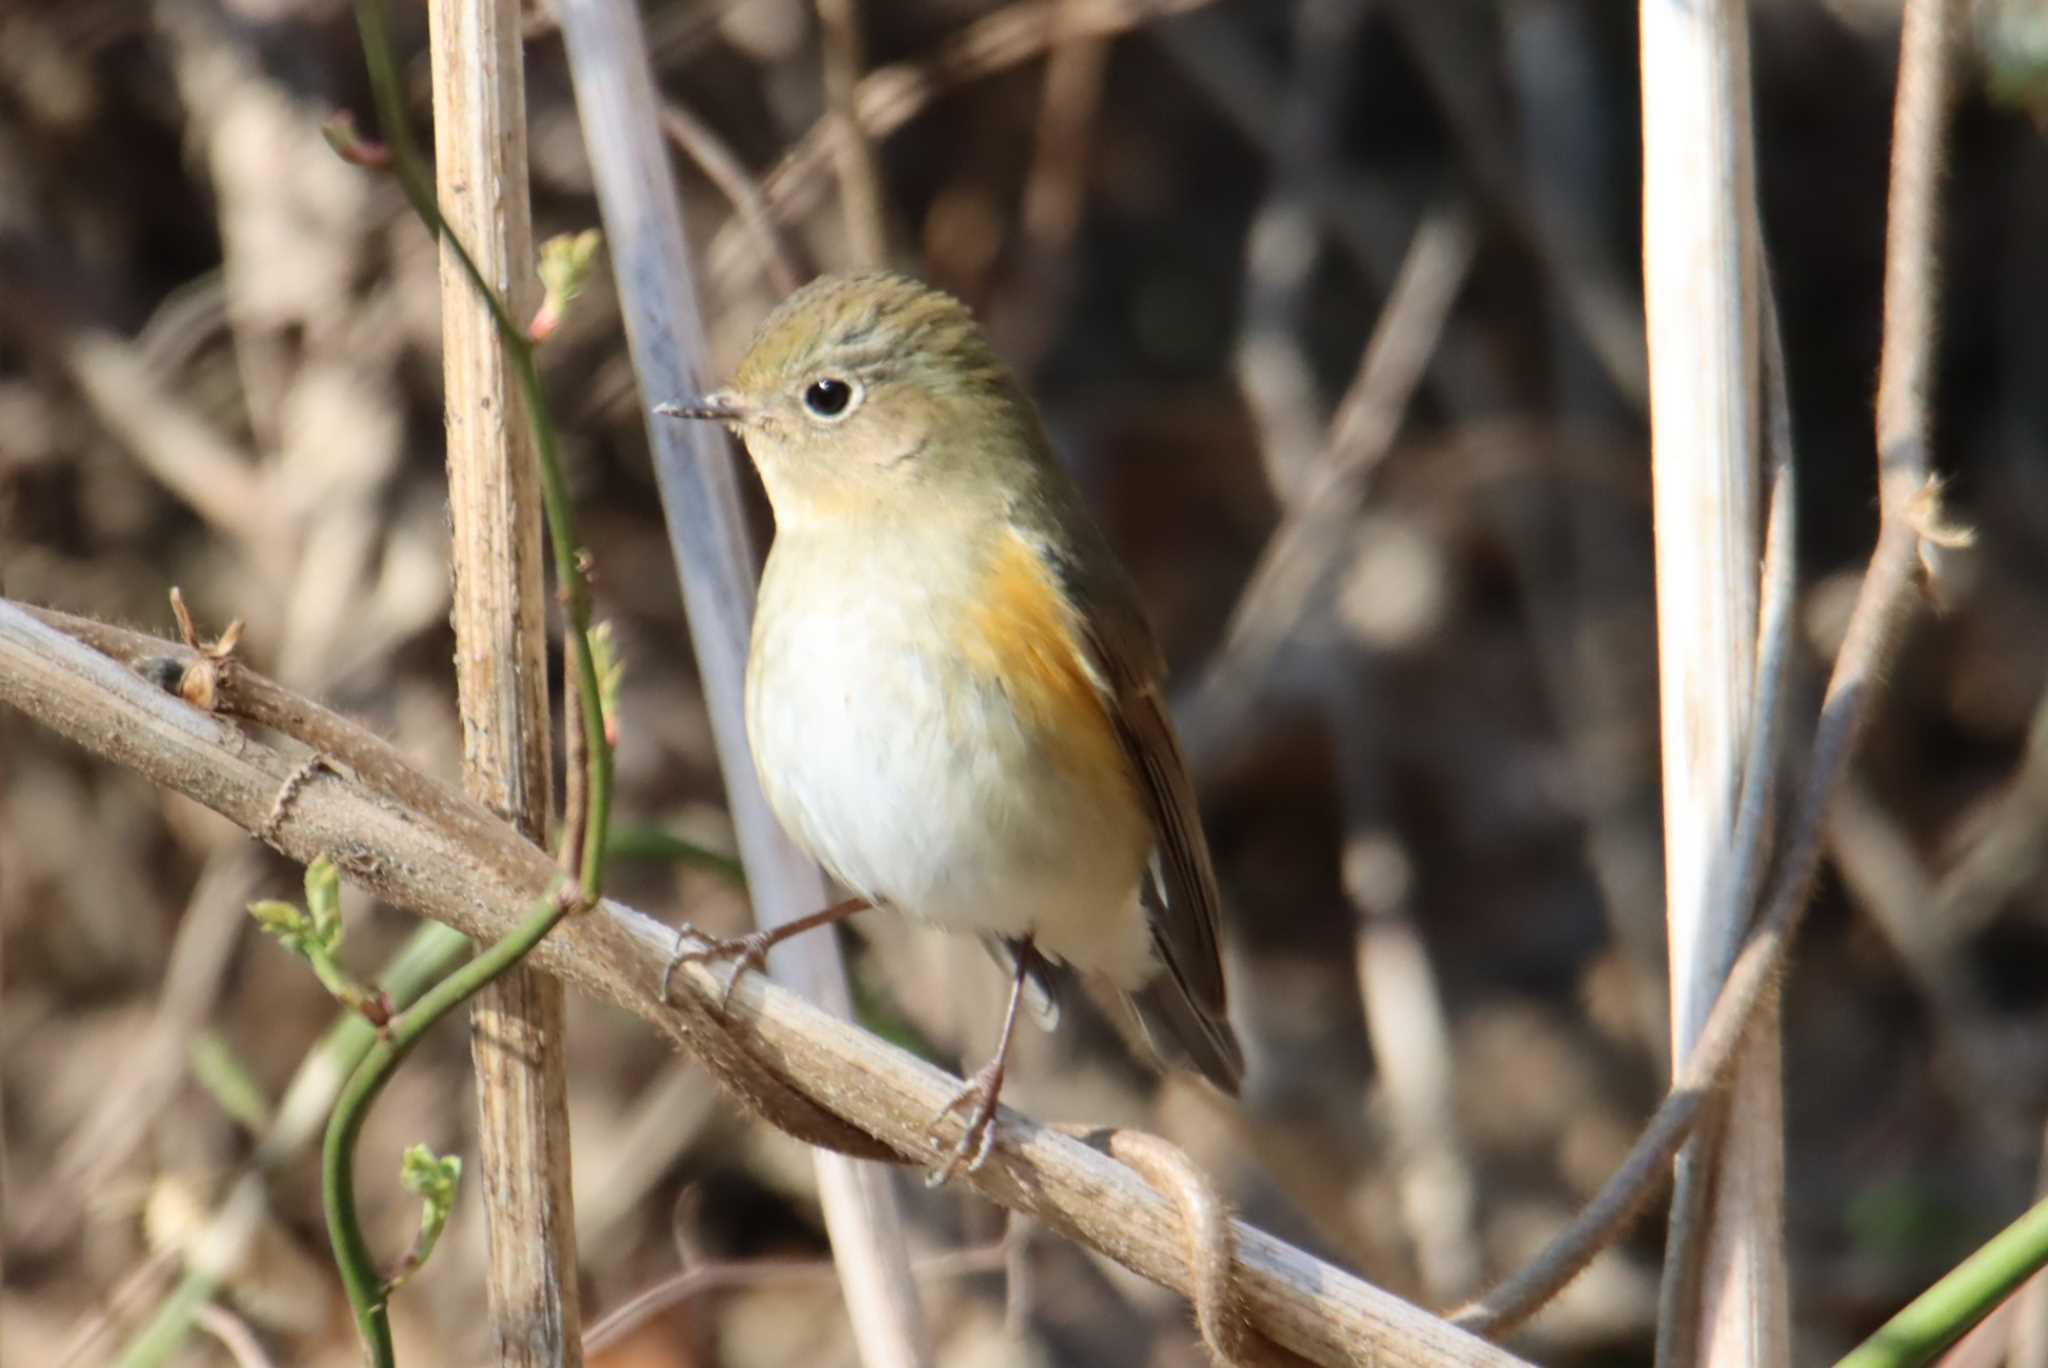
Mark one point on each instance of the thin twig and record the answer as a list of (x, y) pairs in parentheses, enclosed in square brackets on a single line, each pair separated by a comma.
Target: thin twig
[(1559, 232), (234, 1335), (1291, 566), (1058, 177), (695, 1282), (860, 181), (538, 1298), (889, 97), (114, 1308), (723, 168), (1408, 1025), (150, 1074), (2027, 1340), (171, 439), (1282, 247), (2008, 852), (1033, 298)]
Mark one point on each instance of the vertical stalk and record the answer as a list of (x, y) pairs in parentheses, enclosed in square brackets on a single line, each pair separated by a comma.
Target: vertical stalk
[(638, 198), (516, 1037), (1724, 1292)]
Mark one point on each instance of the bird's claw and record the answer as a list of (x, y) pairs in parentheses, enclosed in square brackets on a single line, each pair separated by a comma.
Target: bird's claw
[(748, 952), (980, 1094)]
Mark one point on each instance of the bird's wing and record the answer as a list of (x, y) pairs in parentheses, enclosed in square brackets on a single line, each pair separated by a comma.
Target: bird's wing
[(1185, 904)]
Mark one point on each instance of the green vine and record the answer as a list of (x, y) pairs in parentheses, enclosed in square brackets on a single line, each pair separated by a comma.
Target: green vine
[(368, 1292), (1969, 1292)]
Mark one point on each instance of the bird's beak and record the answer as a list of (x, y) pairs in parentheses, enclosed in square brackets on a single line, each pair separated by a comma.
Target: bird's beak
[(719, 406)]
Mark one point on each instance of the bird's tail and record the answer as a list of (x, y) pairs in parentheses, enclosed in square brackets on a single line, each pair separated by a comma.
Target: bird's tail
[(1180, 1034)]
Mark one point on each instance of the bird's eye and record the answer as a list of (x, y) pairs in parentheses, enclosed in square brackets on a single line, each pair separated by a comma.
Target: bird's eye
[(828, 398)]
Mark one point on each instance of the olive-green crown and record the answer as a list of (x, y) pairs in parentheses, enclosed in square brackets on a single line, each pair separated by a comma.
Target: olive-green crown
[(875, 325)]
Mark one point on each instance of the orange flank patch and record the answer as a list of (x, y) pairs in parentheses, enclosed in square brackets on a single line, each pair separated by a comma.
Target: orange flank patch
[(1026, 636)]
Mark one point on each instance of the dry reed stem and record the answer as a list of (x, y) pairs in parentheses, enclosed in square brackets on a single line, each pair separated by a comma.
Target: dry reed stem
[(1723, 1295), (516, 1022)]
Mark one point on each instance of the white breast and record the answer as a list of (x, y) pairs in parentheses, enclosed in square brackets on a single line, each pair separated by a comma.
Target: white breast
[(913, 780)]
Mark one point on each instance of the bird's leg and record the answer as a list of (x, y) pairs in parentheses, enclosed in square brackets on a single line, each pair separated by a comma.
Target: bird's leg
[(981, 1092), (751, 950)]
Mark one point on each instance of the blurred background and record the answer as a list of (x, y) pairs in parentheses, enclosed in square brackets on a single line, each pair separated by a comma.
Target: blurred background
[(1333, 306)]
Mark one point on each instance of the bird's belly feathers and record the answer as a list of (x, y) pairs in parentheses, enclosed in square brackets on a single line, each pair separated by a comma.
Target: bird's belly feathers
[(931, 761)]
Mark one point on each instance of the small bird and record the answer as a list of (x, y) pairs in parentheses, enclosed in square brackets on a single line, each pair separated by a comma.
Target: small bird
[(952, 696)]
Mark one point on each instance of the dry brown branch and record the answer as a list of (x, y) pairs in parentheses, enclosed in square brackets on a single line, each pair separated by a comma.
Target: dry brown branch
[(1408, 1025), (1328, 493), (1058, 178), (1557, 230), (1910, 526), (804, 1068), (516, 1022), (723, 168), (889, 97), (131, 1294), (853, 156), (234, 1335), (151, 1075), (1282, 247), (2009, 851), (705, 1278), (173, 442), (1035, 293)]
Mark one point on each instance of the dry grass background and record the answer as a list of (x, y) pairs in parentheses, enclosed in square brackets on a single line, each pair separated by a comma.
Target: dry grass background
[(1429, 774)]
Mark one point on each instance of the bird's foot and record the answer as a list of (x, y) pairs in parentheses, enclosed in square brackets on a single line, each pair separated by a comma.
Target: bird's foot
[(751, 950), (747, 952), (978, 1097)]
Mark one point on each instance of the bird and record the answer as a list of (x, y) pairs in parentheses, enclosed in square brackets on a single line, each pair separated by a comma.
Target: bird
[(953, 697)]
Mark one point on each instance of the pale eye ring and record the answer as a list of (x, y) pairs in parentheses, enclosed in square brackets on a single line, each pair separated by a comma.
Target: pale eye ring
[(829, 398)]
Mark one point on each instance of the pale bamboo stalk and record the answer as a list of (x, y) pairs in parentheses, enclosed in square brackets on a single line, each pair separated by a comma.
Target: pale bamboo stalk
[(641, 207), (516, 1023), (440, 855), (1724, 1290)]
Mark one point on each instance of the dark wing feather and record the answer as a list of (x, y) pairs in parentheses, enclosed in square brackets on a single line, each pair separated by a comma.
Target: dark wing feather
[(1186, 925), (1187, 1004)]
